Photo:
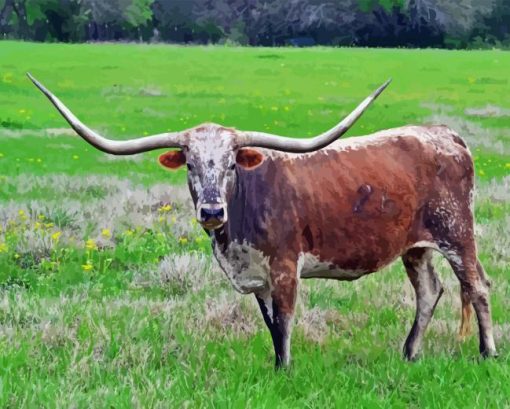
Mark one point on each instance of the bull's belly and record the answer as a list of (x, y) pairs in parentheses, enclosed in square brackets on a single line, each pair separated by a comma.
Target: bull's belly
[(334, 273), (310, 266), (248, 269)]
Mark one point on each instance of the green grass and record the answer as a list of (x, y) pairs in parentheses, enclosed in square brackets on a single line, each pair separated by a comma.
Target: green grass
[(109, 297)]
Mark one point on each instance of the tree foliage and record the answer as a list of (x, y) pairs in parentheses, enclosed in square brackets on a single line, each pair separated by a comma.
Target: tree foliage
[(407, 23)]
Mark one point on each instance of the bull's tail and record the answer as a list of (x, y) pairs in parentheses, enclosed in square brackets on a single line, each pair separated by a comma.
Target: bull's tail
[(465, 320)]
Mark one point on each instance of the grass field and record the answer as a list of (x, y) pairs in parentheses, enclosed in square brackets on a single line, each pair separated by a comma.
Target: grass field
[(109, 294)]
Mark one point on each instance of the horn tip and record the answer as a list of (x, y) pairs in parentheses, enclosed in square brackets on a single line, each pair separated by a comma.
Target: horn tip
[(37, 83), (379, 90), (32, 78)]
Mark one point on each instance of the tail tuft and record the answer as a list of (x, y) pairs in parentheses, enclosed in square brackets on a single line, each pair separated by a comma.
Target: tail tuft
[(467, 311)]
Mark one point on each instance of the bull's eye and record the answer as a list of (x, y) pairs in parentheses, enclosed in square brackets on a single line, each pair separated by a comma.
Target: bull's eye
[(190, 166)]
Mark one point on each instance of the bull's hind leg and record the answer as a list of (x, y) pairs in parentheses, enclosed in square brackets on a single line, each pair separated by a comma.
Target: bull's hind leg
[(428, 288), (467, 309), (475, 288)]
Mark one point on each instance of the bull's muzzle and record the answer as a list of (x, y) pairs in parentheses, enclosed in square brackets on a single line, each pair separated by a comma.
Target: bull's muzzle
[(212, 216)]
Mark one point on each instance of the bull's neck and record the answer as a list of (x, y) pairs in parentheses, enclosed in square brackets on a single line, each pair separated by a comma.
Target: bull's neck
[(246, 211)]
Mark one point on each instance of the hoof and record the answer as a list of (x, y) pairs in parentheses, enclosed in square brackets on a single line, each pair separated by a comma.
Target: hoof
[(487, 354), (409, 355)]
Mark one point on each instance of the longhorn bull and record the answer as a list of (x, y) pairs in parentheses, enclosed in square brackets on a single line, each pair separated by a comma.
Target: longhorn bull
[(279, 210)]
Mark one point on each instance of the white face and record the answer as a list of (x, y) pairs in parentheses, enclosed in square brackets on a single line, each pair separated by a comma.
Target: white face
[(211, 162)]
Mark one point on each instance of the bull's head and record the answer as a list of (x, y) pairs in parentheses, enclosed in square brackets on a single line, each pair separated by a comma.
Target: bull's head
[(211, 153)]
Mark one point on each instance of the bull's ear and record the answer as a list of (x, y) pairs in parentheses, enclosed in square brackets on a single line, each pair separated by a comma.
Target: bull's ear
[(249, 158), (172, 159)]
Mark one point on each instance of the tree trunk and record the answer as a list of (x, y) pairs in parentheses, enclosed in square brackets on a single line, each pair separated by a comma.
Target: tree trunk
[(21, 11), (5, 15)]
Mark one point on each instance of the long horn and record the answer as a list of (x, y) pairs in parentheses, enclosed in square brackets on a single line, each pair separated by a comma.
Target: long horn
[(129, 147), (282, 143)]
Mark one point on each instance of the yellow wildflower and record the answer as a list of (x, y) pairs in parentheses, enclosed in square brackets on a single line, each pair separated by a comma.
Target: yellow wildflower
[(90, 244), (37, 225), (56, 236), (7, 78), (183, 240), (3, 248), (165, 208), (49, 225), (129, 232), (87, 267), (106, 233)]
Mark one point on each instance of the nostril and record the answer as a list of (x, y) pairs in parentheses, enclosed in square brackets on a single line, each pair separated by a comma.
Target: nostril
[(206, 214)]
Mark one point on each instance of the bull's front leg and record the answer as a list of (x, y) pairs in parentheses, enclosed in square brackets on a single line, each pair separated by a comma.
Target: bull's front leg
[(277, 306)]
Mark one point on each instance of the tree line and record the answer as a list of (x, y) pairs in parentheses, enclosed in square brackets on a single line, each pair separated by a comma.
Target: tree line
[(380, 23)]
